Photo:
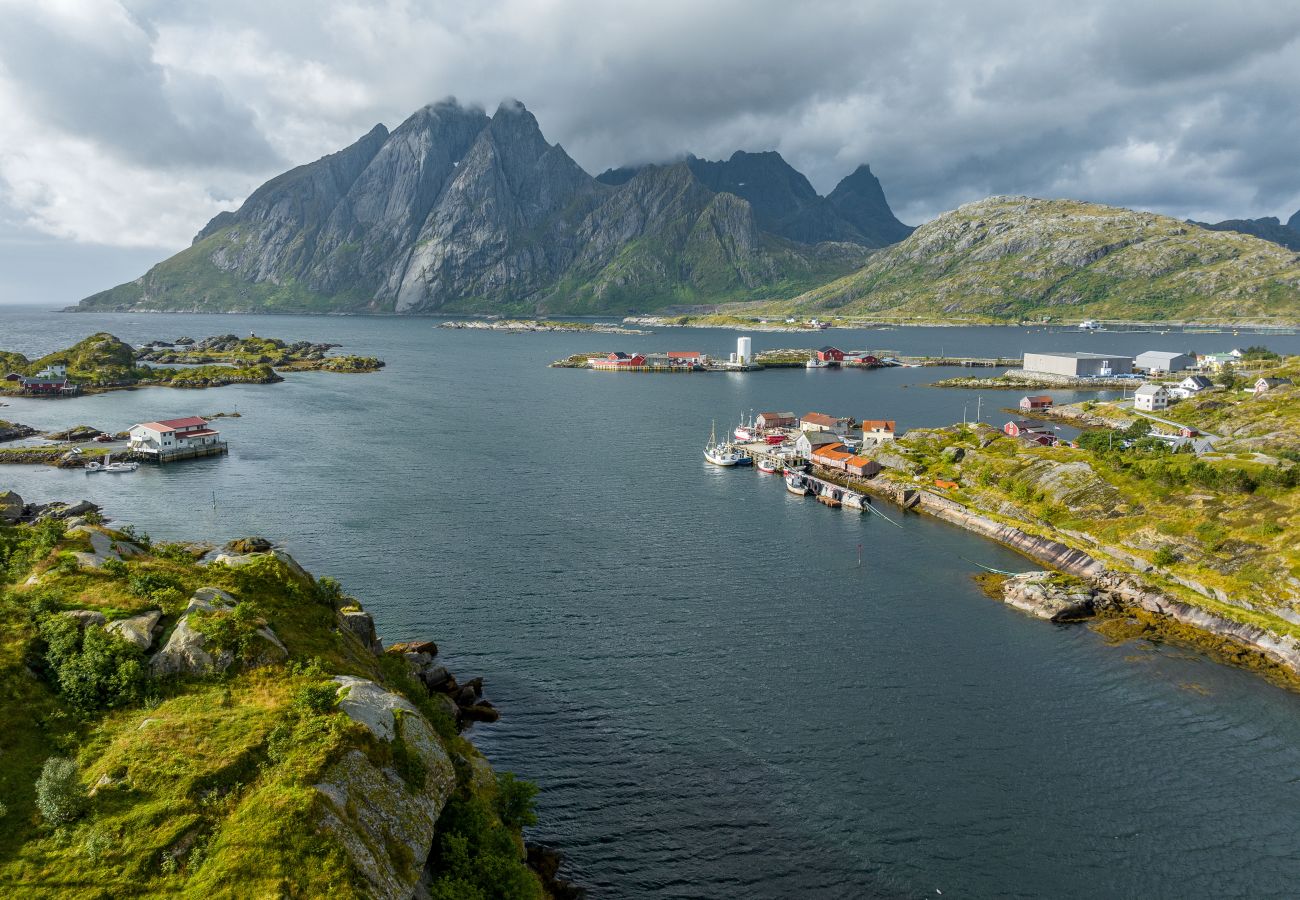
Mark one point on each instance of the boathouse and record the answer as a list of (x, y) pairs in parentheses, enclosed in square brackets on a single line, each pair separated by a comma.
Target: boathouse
[(1042, 401), (815, 421), (861, 466), (832, 456), (685, 357), (173, 438), (830, 354), (769, 420), (50, 382), (617, 361)]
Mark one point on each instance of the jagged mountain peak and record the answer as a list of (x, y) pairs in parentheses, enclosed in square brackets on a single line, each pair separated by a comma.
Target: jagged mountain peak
[(456, 209)]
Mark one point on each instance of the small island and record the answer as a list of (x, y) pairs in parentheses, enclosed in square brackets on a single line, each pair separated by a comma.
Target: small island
[(103, 362)]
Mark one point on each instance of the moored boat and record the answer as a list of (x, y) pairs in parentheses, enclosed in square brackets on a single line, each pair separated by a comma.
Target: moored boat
[(723, 454), (766, 465), (796, 484), (815, 363)]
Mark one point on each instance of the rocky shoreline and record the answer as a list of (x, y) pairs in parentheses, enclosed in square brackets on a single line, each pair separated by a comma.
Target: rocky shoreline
[(1096, 589)]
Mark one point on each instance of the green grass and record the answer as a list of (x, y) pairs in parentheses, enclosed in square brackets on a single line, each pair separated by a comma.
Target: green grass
[(203, 784)]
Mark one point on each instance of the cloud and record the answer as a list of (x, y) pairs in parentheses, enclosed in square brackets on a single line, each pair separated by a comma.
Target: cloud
[(130, 123)]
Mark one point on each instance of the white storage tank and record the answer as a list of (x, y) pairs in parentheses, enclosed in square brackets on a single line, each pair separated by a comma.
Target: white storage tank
[(744, 350)]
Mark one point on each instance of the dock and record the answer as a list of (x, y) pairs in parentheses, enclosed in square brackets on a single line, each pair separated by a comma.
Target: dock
[(167, 456)]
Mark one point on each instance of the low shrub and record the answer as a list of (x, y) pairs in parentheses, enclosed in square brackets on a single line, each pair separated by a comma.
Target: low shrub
[(60, 793)]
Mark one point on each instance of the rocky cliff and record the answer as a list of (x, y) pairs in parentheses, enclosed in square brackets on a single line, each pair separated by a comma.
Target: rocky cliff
[(456, 210), (1019, 257)]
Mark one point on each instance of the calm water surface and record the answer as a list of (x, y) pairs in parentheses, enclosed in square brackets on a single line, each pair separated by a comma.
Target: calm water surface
[(715, 698)]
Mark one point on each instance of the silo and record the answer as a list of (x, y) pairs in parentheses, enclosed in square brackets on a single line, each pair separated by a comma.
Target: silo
[(744, 350)]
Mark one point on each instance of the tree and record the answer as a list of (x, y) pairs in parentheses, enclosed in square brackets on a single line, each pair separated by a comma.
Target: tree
[(1227, 377), (60, 795)]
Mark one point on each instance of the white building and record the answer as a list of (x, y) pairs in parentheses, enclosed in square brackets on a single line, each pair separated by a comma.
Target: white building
[(1151, 397), (1191, 386), (1078, 365), (172, 434), (744, 350), (811, 440), (1164, 361)]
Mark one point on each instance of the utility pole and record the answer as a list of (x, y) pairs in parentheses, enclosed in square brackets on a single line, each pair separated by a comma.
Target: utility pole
[(979, 405)]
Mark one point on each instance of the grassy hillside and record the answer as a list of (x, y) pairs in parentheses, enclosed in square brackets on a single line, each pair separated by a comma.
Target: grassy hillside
[(120, 780), (1011, 258)]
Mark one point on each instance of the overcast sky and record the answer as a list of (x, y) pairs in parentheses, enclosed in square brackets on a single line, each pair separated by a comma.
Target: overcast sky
[(126, 124)]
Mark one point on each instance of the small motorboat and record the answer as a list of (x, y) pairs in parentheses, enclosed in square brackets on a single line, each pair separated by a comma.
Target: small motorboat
[(766, 466), (103, 439), (108, 465), (815, 363)]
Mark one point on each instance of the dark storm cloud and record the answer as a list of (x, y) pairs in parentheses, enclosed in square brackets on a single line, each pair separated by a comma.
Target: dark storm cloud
[(1186, 108)]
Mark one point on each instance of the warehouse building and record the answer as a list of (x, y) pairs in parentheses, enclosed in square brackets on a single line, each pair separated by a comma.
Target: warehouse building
[(1079, 365), (1164, 361)]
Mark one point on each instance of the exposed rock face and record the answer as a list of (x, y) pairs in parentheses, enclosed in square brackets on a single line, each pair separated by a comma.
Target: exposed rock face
[(1014, 257), (456, 210), (139, 630), (1041, 595), (11, 507), (386, 825), (187, 650), (361, 624)]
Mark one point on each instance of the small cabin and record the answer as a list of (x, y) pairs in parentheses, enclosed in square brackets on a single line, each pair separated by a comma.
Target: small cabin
[(1264, 385), (1028, 404), (1017, 428)]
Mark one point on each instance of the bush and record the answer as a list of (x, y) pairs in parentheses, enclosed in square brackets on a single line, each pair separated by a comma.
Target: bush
[(1165, 556), (148, 584), (319, 698), (60, 795), (515, 801), (92, 669)]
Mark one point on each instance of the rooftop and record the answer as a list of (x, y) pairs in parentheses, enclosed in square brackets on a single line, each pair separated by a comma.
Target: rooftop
[(1059, 354)]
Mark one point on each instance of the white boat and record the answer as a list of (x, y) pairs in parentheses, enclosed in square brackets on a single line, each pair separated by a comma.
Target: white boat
[(795, 484), (815, 363), (747, 432), (723, 454), (108, 465), (1089, 325), (766, 465), (854, 501)]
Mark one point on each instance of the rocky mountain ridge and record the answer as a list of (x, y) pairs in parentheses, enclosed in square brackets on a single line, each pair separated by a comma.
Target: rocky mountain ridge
[(1270, 228), (458, 211), (1008, 258)]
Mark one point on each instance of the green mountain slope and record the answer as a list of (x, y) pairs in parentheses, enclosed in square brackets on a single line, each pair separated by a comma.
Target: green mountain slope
[(1006, 258)]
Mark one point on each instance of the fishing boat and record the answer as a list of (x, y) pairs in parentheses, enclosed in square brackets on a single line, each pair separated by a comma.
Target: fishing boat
[(815, 363), (1089, 325), (746, 432), (796, 484), (766, 465), (723, 454)]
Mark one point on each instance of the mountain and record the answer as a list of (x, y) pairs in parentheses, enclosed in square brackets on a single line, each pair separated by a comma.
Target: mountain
[(458, 211), (1018, 257), (785, 204), (1268, 228)]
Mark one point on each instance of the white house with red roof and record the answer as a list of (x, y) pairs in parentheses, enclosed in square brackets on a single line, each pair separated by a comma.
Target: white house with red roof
[(169, 435)]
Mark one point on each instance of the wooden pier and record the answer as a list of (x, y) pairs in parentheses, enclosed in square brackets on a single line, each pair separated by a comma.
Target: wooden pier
[(167, 456)]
